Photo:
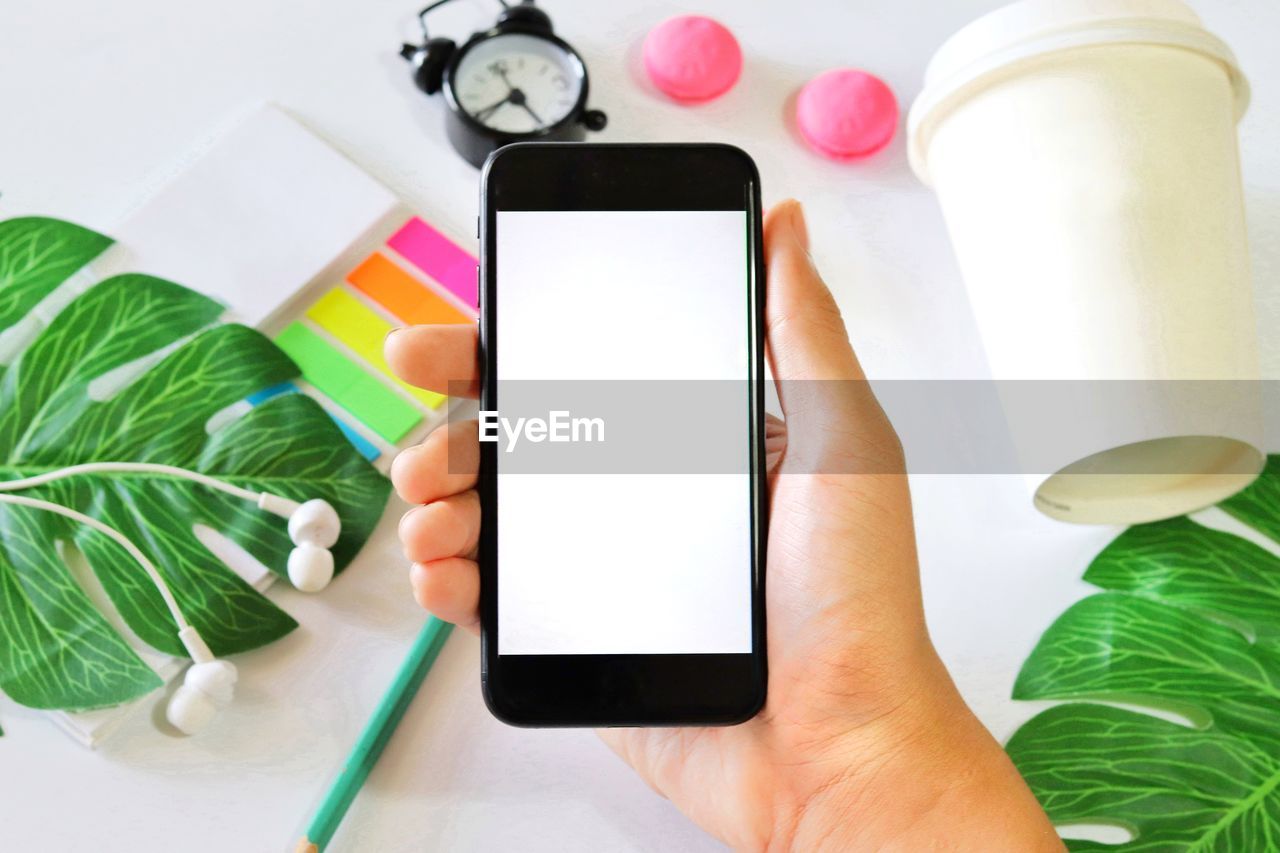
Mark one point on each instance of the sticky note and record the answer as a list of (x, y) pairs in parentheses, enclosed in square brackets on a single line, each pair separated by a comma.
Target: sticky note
[(347, 384), (349, 320), (439, 257), (363, 446), (257, 398), (401, 294)]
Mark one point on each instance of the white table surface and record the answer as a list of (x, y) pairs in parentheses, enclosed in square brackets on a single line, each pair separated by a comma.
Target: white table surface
[(98, 99)]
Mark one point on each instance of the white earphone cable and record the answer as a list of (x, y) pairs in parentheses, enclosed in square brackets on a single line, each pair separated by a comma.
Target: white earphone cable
[(283, 507), (128, 468), (115, 535)]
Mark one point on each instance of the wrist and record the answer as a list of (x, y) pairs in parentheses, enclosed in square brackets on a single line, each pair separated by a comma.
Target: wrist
[(926, 776)]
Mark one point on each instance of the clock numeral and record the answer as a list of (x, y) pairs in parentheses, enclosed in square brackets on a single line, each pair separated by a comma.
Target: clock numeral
[(560, 82)]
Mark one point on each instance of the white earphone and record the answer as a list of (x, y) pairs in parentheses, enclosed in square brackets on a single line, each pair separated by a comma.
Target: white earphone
[(207, 688), (314, 528)]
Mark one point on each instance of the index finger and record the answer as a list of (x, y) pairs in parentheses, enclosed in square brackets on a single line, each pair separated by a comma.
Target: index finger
[(444, 359)]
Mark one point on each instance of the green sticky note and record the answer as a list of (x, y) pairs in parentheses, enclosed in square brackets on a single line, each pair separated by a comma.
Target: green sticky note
[(354, 324), (347, 384)]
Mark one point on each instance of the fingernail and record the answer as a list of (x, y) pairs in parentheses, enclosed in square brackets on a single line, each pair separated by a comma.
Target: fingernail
[(392, 332), (798, 224)]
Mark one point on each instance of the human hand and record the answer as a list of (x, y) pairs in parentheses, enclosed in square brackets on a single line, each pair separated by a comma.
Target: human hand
[(864, 742)]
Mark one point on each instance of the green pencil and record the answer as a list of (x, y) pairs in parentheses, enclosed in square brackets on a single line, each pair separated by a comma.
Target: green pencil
[(375, 735)]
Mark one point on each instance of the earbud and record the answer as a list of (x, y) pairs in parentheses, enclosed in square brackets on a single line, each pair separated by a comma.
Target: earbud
[(310, 568), (206, 689), (314, 527), (316, 523)]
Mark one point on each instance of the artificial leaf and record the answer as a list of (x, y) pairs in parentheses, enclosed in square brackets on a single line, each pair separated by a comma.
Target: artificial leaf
[(56, 649), (1190, 624), (1115, 645), (37, 255), (1259, 505), (1219, 574), (1175, 788), (133, 370)]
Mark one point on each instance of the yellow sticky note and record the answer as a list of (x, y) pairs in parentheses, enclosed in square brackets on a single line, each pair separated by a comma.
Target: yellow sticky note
[(357, 326)]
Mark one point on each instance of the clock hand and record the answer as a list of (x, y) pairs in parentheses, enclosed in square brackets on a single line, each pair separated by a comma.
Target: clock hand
[(481, 115), (530, 111), (518, 99)]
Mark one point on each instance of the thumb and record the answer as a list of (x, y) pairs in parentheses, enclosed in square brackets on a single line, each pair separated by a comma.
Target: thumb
[(834, 423)]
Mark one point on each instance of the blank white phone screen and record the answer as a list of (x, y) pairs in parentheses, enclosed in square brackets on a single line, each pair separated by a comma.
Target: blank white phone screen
[(631, 562)]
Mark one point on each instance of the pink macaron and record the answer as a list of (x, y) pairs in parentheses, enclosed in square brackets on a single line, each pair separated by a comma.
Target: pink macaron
[(847, 113), (692, 58)]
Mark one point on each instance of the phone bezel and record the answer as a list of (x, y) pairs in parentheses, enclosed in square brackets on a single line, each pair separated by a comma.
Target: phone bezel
[(613, 689)]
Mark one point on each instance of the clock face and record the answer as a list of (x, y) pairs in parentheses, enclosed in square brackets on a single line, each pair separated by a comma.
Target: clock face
[(517, 83)]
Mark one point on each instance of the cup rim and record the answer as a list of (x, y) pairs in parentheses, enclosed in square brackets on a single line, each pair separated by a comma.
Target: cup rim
[(942, 96)]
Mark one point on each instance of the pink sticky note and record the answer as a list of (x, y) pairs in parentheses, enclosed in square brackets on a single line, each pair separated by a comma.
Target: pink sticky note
[(439, 257)]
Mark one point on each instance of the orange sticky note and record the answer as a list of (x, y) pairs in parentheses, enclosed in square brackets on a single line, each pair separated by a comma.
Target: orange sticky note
[(401, 294)]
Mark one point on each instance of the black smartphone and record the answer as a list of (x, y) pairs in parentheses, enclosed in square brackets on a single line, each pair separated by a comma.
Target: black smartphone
[(622, 550)]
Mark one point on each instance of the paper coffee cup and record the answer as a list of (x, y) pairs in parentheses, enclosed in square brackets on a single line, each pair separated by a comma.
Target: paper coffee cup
[(1085, 157)]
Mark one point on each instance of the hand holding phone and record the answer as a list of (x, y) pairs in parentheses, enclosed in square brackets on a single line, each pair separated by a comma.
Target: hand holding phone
[(864, 742)]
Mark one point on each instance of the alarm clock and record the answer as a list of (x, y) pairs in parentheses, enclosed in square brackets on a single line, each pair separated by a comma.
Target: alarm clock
[(516, 82)]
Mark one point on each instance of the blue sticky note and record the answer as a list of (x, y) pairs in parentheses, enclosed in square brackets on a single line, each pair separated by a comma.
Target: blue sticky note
[(366, 448), (259, 397)]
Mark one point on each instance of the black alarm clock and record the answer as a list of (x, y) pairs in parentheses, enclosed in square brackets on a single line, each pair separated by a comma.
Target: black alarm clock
[(516, 82)]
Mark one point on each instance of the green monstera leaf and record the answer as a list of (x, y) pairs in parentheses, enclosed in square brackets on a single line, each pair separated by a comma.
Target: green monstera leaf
[(1190, 624), (133, 369)]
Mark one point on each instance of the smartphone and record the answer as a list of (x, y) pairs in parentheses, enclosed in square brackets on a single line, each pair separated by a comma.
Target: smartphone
[(622, 579)]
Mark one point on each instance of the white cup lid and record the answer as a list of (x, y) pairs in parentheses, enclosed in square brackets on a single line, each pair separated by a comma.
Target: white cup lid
[(1032, 28)]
